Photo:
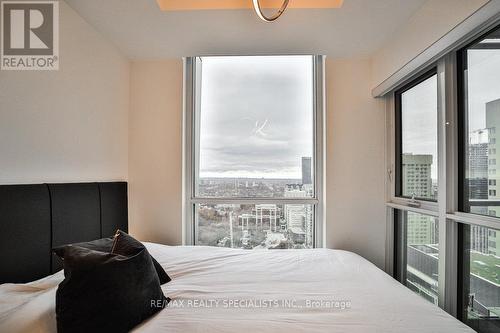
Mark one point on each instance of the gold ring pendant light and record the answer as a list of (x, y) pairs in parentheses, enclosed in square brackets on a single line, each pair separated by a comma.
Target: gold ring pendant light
[(258, 10)]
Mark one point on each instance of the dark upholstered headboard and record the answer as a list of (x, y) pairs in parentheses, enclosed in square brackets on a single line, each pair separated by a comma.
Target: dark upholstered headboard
[(36, 218)]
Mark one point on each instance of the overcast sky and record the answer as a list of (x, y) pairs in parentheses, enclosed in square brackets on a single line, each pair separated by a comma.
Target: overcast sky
[(257, 113), (483, 75), (419, 121), (256, 116)]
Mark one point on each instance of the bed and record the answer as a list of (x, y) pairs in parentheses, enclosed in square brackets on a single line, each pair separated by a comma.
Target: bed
[(232, 290), (212, 289)]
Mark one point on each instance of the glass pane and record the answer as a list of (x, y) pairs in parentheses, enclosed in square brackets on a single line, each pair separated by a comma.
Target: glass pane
[(255, 226), (420, 239), (419, 140), (482, 91), (256, 133), (482, 279)]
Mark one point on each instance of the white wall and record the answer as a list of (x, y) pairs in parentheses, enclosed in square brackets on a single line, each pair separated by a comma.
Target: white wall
[(355, 157), (67, 125), (431, 22), (355, 162), (155, 155)]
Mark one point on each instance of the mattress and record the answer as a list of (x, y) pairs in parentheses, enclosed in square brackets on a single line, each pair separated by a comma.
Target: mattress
[(233, 290)]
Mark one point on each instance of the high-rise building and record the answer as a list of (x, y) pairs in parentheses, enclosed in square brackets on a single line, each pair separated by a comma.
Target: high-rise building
[(479, 239), (299, 217), (477, 177), (417, 181), (306, 170), (309, 238), (295, 213), (421, 229), (493, 123), (494, 242), (478, 167), (416, 175)]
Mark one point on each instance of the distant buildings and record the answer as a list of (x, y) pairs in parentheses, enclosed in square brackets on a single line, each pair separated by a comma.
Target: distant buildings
[(263, 217), (422, 231), (483, 177), (267, 212), (306, 171), (422, 271), (267, 225), (422, 238), (478, 185), (483, 197)]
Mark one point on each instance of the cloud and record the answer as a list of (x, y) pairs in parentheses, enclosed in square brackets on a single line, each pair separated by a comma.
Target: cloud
[(256, 116)]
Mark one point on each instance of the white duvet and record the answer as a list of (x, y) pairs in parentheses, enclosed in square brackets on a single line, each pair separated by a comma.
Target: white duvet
[(230, 290)]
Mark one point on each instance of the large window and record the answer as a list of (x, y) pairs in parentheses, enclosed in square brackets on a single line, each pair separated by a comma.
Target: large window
[(255, 154), (416, 233), (416, 111)]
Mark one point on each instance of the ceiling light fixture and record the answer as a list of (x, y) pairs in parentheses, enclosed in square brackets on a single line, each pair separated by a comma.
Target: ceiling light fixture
[(255, 5), (263, 17)]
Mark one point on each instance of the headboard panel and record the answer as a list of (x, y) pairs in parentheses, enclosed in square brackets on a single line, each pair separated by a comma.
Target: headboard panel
[(36, 218), (75, 215), (114, 210), (25, 236)]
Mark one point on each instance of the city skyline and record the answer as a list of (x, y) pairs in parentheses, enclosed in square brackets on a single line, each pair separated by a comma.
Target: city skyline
[(254, 226)]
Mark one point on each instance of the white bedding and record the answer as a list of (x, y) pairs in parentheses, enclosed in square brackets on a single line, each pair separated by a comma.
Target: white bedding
[(274, 291)]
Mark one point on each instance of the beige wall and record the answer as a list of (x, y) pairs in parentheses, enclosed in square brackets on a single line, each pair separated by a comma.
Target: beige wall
[(355, 157), (431, 22), (67, 125), (155, 151), (355, 187)]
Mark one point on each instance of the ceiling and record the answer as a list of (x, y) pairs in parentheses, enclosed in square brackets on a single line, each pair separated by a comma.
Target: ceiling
[(142, 31), (246, 4)]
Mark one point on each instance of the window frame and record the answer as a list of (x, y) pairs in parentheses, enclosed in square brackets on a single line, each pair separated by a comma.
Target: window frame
[(398, 191), (401, 244), (452, 219), (191, 109)]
